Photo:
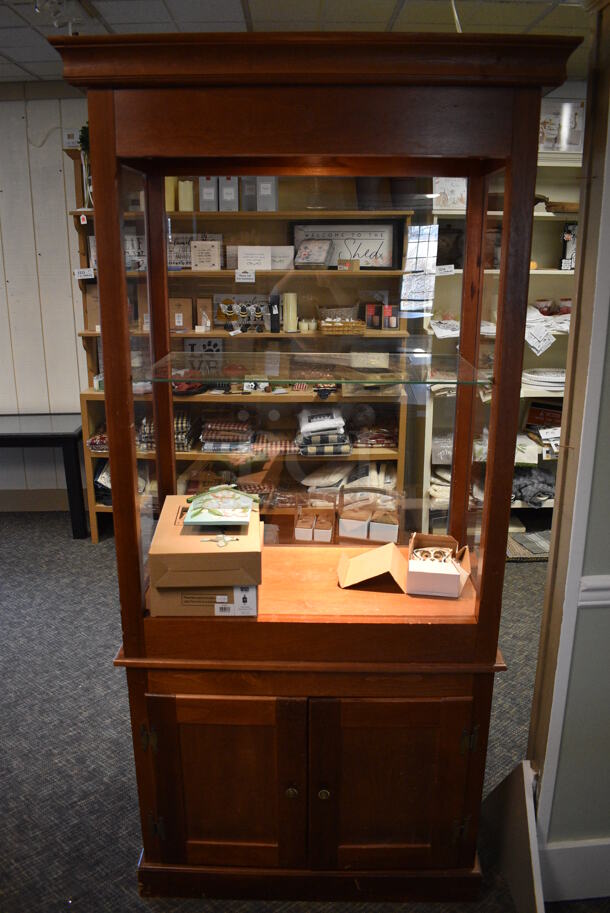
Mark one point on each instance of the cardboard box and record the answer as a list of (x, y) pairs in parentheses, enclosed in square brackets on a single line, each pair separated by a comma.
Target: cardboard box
[(248, 193), (303, 528), (186, 558), (435, 578), (354, 524), (384, 526), (266, 194), (181, 313), (205, 602), (386, 559), (92, 303), (208, 194), (228, 194), (323, 529)]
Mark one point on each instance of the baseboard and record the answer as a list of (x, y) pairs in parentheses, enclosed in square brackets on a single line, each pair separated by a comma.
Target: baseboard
[(575, 870), (34, 499)]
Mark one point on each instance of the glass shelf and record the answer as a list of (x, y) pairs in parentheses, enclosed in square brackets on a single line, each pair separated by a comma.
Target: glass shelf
[(314, 368)]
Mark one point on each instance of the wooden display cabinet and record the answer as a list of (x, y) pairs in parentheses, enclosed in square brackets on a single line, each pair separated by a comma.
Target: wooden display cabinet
[(335, 745)]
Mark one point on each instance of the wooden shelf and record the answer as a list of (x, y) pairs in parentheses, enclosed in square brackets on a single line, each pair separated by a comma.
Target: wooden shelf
[(498, 214), (224, 334), (103, 508), (279, 273), (496, 272), (287, 215), (246, 398), (379, 453)]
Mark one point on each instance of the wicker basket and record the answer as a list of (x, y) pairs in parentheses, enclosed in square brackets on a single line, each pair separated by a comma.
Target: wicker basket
[(348, 327)]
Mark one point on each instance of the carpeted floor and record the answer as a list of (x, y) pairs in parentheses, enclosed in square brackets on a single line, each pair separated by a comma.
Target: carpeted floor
[(69, 837)]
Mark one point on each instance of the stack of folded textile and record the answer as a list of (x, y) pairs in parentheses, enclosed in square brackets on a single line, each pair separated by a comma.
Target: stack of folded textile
[(274, 442), (322, 432), (185, 432), (98, 442), (226, 436)]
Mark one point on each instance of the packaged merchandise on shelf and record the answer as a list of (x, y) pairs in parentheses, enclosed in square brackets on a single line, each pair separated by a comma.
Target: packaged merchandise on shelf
[(102, 484), (185, 432), (226, 435), (92, 305), (208, 193), (206, 255), (203, 575), (314, 254), (320, 419), (266, 194), (228, 194), (98, 441), (179, 247), (570, 235), (181, 314), (186, 197), (247, 193)]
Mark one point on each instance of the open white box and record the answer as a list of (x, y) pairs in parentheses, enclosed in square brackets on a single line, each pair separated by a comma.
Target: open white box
[(436, 578)]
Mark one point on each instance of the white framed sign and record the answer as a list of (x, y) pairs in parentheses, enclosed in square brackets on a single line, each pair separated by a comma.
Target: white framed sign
[(372, 244)]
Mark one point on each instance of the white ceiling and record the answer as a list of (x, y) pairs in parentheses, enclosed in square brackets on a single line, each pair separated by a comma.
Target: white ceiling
[(26, 55)]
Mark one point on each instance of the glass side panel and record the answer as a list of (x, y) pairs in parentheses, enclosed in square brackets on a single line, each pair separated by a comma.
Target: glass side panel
[(314, 352), (264, 369)]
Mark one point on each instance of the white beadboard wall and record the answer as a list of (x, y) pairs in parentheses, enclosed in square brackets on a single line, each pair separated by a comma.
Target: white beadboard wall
[(42, 360)]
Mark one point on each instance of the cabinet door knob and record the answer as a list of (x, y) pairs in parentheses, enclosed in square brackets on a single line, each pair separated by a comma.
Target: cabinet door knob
[(292, 793), (324, 794)]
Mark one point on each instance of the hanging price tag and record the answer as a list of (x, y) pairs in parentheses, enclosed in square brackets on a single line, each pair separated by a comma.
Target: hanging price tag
[(87, 273), (83, 219)]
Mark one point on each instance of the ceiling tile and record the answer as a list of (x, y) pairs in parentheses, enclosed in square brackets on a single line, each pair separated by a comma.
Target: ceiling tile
[(144, 11), (8, 17), (356, 11), (273, 25), (352, 26), (289, 12), (47, 69), (28, 45), (567, 16), (476, 16), (9, 72), (424, 15), (210, 11), (203, 27), (148, 28)]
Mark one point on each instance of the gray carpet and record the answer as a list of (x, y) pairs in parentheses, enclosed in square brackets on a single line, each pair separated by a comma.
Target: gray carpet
[(69, 838)]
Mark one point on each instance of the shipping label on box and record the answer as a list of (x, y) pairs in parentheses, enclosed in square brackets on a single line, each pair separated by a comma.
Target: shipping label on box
[(211, 602)]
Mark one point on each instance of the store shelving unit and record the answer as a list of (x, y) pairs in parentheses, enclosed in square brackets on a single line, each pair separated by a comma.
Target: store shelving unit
[(333, 746)]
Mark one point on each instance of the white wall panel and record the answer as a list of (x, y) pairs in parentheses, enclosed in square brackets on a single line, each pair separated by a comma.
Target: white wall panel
[(21, 276), (52, 254)]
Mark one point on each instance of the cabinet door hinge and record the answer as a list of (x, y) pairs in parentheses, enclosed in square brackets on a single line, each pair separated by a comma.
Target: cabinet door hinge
[(460, 828), (469, 739), (156, 826), (148, 738)]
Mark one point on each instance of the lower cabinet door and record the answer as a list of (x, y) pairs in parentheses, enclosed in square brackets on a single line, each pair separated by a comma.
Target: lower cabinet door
[(231, 779), (387, 782)]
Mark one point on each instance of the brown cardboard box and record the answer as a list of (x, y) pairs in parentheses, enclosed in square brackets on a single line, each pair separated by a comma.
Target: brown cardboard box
[(92, 301), (386, 559), (205, 602), (205, 306), (180, 561), (181, 313), (431, 578)]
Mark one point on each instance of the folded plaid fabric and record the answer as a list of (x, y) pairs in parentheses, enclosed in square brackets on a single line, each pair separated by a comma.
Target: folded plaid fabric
[(227, 436), (322, 437), (185, 433), (325, 449), (226, 447), (223, 425), (270, 442)]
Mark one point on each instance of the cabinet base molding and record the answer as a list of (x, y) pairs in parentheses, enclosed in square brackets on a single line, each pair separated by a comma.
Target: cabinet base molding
[(268, 884)]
